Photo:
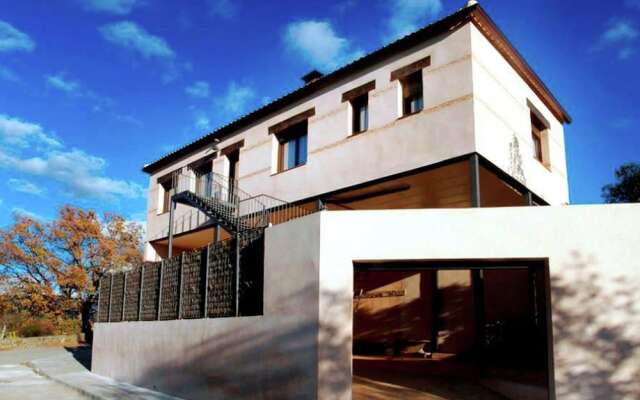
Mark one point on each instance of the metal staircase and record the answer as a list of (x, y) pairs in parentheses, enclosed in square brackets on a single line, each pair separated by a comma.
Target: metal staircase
[(221, 200), (227, 205)]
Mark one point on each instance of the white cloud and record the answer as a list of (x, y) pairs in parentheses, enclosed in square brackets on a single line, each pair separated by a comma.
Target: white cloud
[(7, 74), (24, 186), (81, 175), (118, 7), (223, 8), (619, 34), (343, 7), (131, 36), (129, 119), (406, 16), (26, 213), (626, 53), (622, 123), (202, 122), (620, 31), (11, 39), (319, 45), (633, 4), (60, 82), (16, 132), (235, 100), (199, 89)]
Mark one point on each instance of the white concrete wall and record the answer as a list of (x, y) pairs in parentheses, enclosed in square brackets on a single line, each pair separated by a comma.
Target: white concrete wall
[(273, 356), (594, 265), (592, 254), (501, 116)]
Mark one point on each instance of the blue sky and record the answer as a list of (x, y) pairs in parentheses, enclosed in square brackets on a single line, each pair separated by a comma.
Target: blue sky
[(90, 90)]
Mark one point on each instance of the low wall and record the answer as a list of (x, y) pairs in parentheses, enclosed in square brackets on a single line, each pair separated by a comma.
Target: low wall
[(272, 356), (301, 347)]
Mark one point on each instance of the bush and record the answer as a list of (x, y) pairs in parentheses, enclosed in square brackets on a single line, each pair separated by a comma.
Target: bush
[(24, 325), (36, 327), (68, 327)]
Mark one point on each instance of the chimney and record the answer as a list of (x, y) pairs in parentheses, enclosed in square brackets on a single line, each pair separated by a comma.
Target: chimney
[(312, 77)]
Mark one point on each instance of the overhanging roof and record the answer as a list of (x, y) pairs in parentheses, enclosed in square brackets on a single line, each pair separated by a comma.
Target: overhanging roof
[(474, 14)]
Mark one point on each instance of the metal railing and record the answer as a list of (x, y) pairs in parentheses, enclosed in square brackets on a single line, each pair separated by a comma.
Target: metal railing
[(223, 196), (184, 223), (246, 211)]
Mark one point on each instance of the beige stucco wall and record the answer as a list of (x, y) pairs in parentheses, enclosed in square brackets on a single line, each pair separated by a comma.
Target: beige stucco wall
[(502, 119), (473, 101), (443, 130)]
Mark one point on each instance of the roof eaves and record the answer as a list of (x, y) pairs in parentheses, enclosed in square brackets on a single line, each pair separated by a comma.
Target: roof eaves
[(380, 54)]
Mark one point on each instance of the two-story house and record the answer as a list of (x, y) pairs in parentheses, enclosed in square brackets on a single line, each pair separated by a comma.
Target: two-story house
[(449, 116), (375, 234)]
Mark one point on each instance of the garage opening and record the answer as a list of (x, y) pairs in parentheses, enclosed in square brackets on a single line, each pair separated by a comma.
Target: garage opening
[(451, 330)]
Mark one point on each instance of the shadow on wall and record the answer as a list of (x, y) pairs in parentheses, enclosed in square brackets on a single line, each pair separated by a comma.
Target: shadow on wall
[(595, 321), (267, 357)]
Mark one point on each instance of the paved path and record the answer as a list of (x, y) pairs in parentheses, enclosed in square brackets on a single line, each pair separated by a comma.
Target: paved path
[(56, 373), (18, 382)]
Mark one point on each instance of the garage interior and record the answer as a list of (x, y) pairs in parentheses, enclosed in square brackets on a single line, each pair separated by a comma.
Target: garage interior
[(451, 330)]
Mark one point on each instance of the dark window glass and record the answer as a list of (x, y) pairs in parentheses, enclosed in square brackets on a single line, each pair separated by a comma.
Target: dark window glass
[(360, 106), (537, 129), (412, 101), (167, 185), (293, 146)]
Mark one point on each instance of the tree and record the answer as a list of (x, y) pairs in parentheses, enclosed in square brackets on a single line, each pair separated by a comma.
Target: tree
[(55, 266), (626, 189)]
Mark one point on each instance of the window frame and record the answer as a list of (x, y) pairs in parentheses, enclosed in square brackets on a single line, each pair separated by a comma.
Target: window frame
[(359, 94), (356, 104), (402, 75), (539, 137), (284, 132), (162, 182), (292, 135), (412, 88)]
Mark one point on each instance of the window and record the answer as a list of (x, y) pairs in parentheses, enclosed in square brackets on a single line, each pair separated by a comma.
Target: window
[(293, 146), (360, 114), (538, 129), (412, 101), (165, 185), (358, 99)]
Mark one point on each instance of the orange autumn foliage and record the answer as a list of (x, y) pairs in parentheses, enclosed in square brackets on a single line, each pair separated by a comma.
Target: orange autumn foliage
[(51, 268)]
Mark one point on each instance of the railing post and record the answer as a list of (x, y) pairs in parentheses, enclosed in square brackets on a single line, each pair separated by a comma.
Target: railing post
[(99, 296), (474, 169), (180, 286), (124, 295), (206, 283), (160, 290), (528, 198), (172, 205), (237, 203), (140, 296), (110, 293)]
